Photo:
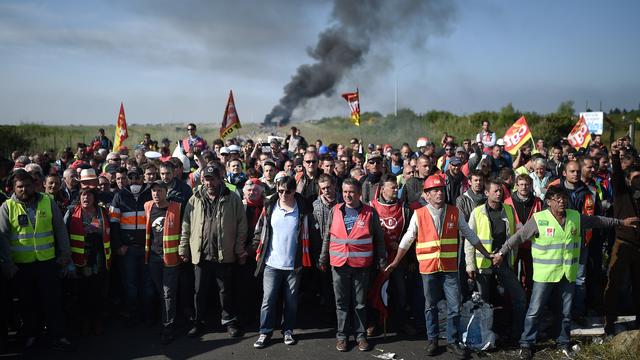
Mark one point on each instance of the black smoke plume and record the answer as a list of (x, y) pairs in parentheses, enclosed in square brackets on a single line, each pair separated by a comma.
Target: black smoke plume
[(358, 24)]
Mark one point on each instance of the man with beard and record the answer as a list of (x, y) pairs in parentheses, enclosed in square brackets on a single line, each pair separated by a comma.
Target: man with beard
[(394, 218), (33, 245), (525, 204), (372, 182), (456, 182)]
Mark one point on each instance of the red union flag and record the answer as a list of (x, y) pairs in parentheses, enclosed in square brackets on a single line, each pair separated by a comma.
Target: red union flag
[(230, 120), (354, 104), (377, 295), (580, 136), (121, 130), (518, 134)]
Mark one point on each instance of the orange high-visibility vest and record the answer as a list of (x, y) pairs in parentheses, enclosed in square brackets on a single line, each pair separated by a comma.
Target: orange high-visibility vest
[(355, 248), (77, 237), (170, 234), (437, 252)]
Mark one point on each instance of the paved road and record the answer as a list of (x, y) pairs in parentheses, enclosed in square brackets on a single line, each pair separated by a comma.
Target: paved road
[(143, 342)]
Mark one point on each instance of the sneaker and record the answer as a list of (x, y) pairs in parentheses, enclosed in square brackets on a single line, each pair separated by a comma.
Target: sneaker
[(233, 330), (432, 347), (341, 345), (62, 344), (261, 342), (458, 350), (288, 338), (363, 345), (195, 331), (525, 353), (566, 351)]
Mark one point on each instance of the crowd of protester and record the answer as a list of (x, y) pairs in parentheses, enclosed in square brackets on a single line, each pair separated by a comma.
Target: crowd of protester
[(238, 231)]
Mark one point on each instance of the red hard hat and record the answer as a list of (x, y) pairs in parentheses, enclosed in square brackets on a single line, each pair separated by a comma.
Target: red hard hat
[(433, 181)]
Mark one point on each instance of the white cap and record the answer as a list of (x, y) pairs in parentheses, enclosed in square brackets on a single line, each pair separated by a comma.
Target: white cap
[(422, 142), (500, 142), (234, 148), (224, 150)]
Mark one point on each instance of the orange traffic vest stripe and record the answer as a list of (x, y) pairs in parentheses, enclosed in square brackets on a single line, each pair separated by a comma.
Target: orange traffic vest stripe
[(355, 248), (172, 228), (77, 237), (437, 251)]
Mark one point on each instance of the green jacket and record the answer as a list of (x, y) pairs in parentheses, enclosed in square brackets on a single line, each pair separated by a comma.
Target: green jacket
[(230, 225)]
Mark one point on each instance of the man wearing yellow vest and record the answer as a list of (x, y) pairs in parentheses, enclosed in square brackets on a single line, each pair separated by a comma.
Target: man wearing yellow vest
[(494, 222), (163, 227), (555, 236), (438, 228), (33, 245)]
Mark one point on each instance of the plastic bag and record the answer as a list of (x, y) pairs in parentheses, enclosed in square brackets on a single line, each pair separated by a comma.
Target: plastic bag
[(477, 319)]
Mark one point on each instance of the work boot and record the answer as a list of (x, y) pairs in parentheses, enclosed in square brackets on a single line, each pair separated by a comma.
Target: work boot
[(525, 353), (363, 345), (341, 345), (458, 350), (432, 347)]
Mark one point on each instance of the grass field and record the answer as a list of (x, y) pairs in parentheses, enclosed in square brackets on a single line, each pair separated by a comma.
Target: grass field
[(375, 128)]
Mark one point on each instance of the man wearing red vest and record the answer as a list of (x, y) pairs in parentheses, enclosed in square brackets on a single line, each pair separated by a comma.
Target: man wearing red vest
[(353, 237), (163, 227), (394, 218), (438, 228), (525, 204)]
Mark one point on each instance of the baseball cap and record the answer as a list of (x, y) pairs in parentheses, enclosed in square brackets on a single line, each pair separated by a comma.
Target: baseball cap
[(160, 183), (234, 148), (500, 142), (460, 149), (375, 156), (210, 170), (224, 150), (455, 161)]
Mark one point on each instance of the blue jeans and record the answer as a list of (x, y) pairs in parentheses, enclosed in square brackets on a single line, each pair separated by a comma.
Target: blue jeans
[(439, 286), (580, 294), (274, 283), (350, 286), (541, 294), (137, 282), (508, 279)]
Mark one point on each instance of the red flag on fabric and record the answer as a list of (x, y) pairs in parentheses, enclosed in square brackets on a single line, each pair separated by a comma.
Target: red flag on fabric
[(516, 136), (354, 104), (121, 130), (580, 136), (378, 297), (230, 119)]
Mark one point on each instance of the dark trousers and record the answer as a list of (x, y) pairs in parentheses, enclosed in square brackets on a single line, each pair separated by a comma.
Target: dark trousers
[(90, 296), (137, 283), (245, 287), (624, 257), (186, 290), (40, 292), (524, 269), (350, 288), (205, 273)]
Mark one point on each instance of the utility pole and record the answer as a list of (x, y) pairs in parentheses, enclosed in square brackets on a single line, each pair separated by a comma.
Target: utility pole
[(396, 98)]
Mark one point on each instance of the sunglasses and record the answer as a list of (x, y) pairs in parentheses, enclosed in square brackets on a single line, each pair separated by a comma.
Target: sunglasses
[(134, 176), (374, 162), (288, 192), (448, 149), (189, 129), (311, 161)]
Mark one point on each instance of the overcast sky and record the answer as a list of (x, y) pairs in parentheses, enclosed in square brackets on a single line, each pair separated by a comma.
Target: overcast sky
[(72, 62)]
